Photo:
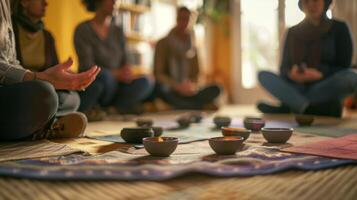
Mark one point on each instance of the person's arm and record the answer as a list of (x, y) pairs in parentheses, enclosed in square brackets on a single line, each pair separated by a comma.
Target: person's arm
[(344, 51), (194, 69), (160, 64), (122, 38), (83, 48), (10, 74), (286, 64), (53, 56)]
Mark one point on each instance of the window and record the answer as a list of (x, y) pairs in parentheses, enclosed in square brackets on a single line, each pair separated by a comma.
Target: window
[(259, 19), (293, 14)]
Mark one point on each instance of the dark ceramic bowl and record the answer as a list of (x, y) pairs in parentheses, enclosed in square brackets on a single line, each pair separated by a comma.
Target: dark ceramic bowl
[(226, 145), (196, 117), (253, 123), (157, 131), (160, 146), (184, 122), (222, 121), (136, 135), (277, 135), (144, 122), (304, 120), (230, 131)]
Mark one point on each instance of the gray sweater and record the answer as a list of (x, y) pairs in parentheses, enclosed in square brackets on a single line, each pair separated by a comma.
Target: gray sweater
[(92, 50), (10, 70)]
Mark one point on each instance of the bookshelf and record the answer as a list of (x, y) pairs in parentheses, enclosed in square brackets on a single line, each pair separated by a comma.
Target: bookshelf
[(131, 14)]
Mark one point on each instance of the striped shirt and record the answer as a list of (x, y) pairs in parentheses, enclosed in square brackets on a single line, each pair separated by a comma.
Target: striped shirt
[(10, 70)]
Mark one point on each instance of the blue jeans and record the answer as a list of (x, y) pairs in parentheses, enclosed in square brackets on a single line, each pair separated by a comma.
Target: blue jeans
[(299, 96), (29, 107), (106, 91)]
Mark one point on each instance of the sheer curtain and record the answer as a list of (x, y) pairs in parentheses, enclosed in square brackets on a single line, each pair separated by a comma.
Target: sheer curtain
[(346, 10)]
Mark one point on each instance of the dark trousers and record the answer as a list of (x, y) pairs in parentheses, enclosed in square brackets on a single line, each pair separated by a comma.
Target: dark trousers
[(29, 107), (106, 91), (298, 96), (204, 96)]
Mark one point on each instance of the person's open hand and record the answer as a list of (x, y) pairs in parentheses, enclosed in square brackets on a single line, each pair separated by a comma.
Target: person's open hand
[(62, 79)]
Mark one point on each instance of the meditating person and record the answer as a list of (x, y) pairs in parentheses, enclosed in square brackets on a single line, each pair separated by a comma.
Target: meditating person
[(100, 41), (28, 100), (315, 73), (35, 46), (176, 68)]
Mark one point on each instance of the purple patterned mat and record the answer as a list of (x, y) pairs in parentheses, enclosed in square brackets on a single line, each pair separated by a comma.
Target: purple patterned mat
[(123, 166)]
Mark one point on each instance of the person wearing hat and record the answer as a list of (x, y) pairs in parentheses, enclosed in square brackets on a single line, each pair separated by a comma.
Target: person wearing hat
[(315, 73)]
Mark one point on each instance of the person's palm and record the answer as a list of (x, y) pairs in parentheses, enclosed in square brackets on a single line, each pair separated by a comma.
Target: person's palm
[(312, 74), (61, 77), (296, 75)]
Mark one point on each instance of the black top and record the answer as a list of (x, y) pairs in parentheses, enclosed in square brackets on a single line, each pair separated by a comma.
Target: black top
[(336, 50)]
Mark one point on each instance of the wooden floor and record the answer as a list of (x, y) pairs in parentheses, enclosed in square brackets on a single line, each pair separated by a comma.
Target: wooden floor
[(339, 183)]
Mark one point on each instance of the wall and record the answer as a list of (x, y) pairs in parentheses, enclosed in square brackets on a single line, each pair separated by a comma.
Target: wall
[(346, 10), (221, 54), (61, 19)]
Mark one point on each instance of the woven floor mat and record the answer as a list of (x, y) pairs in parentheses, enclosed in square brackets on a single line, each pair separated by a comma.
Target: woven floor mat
[(33, 149), (338, 183)]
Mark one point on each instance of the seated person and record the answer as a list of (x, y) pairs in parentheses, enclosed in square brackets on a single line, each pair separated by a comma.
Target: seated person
[(315, 74), (35, 46), (176, 68), (28, 101), (100, 41)]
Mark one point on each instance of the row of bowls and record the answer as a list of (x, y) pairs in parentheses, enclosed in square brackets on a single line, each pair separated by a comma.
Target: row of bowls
[(256, 124), (230, 143)]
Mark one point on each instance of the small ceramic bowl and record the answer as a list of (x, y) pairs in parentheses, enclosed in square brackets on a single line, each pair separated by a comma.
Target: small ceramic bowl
[(196, 117), (144, 122), (253, 123), (277, 135), (222, 121), (136, 135), (184, 122), (160, 146), (157, 131), (230, 131), (304, 120), (226, 145)]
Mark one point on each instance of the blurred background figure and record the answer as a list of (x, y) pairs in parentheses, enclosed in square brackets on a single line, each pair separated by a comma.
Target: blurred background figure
[(100, 41), (177, 70), (315, 74)]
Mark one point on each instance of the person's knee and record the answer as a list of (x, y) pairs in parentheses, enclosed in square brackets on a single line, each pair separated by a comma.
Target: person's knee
[(69, 101), (215, 90), (265, 76), (144, 84), (76, 100), (44, 96), (106, 78), (349, 75), (345, 79)]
